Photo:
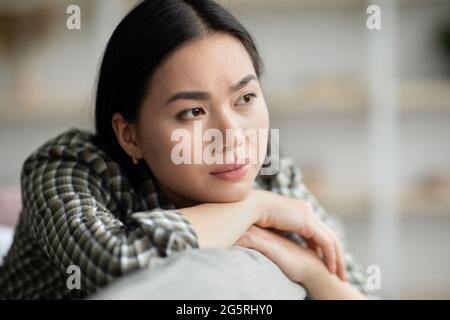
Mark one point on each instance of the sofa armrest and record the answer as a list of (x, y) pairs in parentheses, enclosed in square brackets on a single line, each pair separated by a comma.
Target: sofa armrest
[(236, 273)]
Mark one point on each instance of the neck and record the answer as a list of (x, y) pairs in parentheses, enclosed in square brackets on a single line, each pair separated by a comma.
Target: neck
[(177, 200)]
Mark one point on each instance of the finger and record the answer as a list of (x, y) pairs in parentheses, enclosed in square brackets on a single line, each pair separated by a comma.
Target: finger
[(255, 241), (276, 240), (277, 231), (270, 234), (318, 234), (341, 270), (266, 233), (274, 237), (313, 245)]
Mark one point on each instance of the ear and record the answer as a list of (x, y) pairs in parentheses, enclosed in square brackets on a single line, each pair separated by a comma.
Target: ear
[(127, 136)]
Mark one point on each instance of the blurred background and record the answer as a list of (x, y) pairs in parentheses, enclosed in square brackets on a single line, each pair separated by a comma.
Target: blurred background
[(365, 113)]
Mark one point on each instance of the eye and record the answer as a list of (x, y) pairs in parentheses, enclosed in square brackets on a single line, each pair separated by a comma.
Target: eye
[(246, 99), (190, 113)]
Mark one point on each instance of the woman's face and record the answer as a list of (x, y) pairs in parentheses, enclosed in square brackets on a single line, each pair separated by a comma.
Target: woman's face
[(208, 71)]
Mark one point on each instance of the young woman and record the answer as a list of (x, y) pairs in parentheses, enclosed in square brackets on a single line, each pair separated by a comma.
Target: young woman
[(110, 202)]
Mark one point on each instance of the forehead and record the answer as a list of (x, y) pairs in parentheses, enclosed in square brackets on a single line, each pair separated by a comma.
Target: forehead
[(218, 60)]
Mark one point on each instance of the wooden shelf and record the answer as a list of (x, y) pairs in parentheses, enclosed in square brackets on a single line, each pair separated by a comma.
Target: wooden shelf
[(357, 206), (425, 96), (333, 97), (418, 200), (44, 109), (323, 98)]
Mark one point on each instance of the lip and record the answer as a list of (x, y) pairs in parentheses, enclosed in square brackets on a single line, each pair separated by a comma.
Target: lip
[(231, 172)]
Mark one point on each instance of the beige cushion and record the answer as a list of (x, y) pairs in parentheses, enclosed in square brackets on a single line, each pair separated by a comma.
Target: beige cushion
[(236, 273)]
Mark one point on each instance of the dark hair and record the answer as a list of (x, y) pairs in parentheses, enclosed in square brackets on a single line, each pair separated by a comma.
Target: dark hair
[(147, 34)]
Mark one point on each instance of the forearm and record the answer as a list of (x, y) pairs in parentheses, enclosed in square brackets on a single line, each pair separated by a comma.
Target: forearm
[(327, 286), (220, 225)]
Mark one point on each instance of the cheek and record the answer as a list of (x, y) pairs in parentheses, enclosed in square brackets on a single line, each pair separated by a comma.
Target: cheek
[(156, 147), (259, 121), (157, 150), (156, 144), (260, 116)]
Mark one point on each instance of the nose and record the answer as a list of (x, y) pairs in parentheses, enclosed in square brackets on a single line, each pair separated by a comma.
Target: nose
[(228, 121)]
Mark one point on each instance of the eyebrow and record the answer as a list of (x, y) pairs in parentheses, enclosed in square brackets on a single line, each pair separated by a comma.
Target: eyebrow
[(202, 95)]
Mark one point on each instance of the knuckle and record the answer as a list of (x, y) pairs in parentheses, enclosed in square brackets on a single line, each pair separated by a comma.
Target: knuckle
[(329, 242), (332, 235), (255, 231), (308, 208), (306, 230), (309, 220), (250, 238), (334, 238)]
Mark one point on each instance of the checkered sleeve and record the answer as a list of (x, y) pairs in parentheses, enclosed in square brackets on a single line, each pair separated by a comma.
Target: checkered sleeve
[(74, 218), (289, 182)]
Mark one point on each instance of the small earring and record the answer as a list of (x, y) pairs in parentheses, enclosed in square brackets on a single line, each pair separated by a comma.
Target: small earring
[(135, 159)]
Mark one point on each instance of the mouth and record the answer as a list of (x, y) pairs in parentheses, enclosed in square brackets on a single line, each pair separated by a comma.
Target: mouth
[(231, 172)]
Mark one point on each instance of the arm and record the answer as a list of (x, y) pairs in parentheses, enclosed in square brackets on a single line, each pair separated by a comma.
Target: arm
[(300, 264), (221, 225), (73, 215), (209, 219), (289, 182), (327, 286)]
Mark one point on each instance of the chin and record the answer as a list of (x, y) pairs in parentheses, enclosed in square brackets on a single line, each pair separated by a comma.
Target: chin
[(229, 193)]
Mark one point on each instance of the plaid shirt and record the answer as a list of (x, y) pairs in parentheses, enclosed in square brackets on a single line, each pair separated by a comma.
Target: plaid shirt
[(79, 208)]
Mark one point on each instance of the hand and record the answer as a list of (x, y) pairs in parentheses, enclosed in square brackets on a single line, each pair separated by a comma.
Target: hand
[(300, 264), (289, 214)]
